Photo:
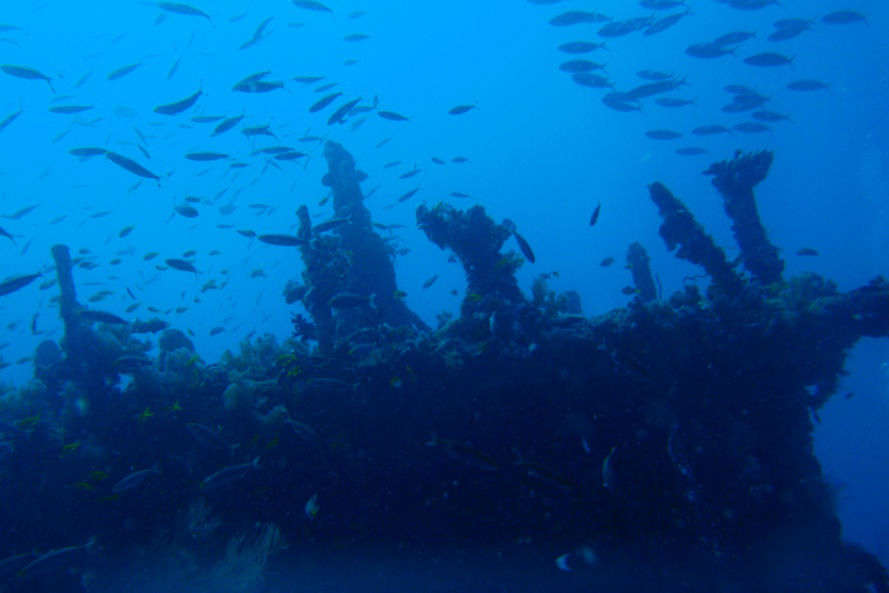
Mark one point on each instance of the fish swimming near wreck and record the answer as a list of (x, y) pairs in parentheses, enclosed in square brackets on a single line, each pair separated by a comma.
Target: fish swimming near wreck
[(11, 285), (229, 475)]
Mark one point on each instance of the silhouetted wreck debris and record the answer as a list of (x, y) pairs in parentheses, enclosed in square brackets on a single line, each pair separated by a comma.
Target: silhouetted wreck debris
[(349, 278), (735, 180), (640, 267), (680, 228), (673, 438)]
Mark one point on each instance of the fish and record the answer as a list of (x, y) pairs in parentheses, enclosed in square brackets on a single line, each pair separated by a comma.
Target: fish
[(409, 174), (460, 109), (282, 240), (311, 5), (20, 213), (340, 114), (606, 262), (707, 50), (123, 71), (430, 281), (608, 470), (577, 17), (9, 119), (661, 25), (130, 165), (186, 211), (574, 66), (312, 507), (653, 88), (307, 79), (769, 116), (229, 475), (227, 124), (259, 131), (329, 225), (4, 233), (807, 84), (93, 316), (579, 47), (734, 38), (654, 75), (408, 195), (181, 265), (219, 329), (15, 283), (353, 37), (185, 9), (324, 102), (768, 59), (591, 80), (807, 251), (663, 134), (57, 560), (27, 74), (595, 216), (691, 151), (257, 34), (69, 109), (289, 155), (843, 17), (87, 151), (525, 247), (178, 106), (134, 480), (392, 116), (206, 156), (621, 28), (173, 69)]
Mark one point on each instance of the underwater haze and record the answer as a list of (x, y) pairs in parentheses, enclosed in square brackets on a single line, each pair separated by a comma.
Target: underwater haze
[(169, 148)]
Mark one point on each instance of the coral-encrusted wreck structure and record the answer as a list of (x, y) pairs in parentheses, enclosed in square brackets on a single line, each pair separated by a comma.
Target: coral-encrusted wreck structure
[(670, 440)]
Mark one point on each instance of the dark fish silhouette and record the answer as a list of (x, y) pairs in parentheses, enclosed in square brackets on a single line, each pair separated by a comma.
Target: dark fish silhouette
[(11, 285), (130, 165), (178, 106), (70, 109), (324, 102), (181, 265), (460, 109), (311, 5), (595, 217), (339, 116), (580, 47), (27, 74), (206, 156), (392, 116), (227, 124), (9, 119), (186, 211), (177, 8), (767, 59), (281, 240), (577, 17), (87, 151), (123, 71)]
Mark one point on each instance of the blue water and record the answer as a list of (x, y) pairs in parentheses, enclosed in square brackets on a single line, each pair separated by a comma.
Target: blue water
[(542, 151)]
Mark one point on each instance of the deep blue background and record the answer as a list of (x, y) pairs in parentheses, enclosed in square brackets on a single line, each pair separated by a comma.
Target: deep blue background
[(542, 152)]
